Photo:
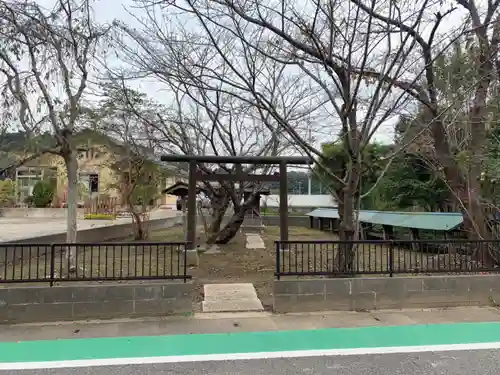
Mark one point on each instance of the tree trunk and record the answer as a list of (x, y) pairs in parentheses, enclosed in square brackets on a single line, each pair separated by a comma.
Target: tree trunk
[(72, 206), (478, 118), (139, 232), (344, 258), (217, 217), (219, 209), (214, 229), (347, 206), (231, 228)]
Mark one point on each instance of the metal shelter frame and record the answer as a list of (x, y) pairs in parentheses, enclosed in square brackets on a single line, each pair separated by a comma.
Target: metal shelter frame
[(196, 175)]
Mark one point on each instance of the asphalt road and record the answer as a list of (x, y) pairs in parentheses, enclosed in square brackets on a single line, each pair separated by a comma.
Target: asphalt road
[(484, 362)]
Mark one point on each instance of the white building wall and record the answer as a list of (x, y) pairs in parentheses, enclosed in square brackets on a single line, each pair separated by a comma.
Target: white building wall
[(294, 200)]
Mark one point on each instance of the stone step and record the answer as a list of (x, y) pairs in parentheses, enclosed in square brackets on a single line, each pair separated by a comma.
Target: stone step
[(254, 241), (232, 305), (230, 297), (217, 292)]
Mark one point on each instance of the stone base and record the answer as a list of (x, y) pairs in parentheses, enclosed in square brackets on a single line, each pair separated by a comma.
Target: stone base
[(213, 249), (252, 228), (230, 297), (192, 258), (254, 241), (232, 306)]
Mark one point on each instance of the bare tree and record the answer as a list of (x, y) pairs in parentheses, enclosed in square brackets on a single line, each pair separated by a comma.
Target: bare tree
[(329, 45), (140, 177), (204, 123), (46, 58), (204, 119), (482, 28)]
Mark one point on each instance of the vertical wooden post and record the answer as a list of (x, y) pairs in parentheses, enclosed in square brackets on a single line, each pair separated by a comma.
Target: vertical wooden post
[(388, 232), (414, 236), (283, 203), (191, 206)]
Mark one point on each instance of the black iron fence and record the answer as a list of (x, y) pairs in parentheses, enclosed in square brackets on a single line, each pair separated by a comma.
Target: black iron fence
[(379, 257), (93, 262)]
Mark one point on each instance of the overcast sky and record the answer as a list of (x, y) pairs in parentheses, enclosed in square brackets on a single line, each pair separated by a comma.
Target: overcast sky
[(108, 10)]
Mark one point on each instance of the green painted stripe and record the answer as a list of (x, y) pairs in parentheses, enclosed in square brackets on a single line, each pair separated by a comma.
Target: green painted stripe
[(249, 342)]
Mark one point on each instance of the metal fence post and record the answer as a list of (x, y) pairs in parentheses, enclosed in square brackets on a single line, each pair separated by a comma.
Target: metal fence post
[(391, 259), (52, 263), (278, 267), (186, 247)]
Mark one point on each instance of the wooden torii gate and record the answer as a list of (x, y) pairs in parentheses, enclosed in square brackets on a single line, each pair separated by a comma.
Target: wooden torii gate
[(196, 175)]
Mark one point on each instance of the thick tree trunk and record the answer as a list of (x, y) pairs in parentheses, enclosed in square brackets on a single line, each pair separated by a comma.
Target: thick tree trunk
[(348, 204), (219, 209), (344, 258), (467, 189), (72, 207), (214, 229), (231, 228), (139, 232)]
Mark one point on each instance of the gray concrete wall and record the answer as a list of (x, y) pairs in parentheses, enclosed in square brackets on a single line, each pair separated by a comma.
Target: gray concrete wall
[(293, 221), (37, 213), (35, 304), (385, 293)]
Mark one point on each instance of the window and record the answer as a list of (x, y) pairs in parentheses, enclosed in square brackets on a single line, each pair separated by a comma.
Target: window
[(94, 183)]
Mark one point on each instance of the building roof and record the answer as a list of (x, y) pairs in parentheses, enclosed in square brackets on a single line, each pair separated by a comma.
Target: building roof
[(181, 188), (442, 221)]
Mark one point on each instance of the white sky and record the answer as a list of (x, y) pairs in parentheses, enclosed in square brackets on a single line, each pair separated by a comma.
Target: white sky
[(107, 11)]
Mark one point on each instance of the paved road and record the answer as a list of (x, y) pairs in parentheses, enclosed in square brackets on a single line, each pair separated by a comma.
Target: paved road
[(484, 362), (459, 349)]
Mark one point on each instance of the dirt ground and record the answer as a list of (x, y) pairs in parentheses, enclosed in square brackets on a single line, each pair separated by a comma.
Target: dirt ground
[(235, 263)]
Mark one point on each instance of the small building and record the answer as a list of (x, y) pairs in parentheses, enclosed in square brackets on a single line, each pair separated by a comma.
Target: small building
[(99, 173)]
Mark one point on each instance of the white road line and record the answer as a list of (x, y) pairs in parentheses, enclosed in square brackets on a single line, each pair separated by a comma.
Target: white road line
[(243, 356)]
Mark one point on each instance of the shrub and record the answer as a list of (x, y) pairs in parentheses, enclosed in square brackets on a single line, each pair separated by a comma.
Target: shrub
[(99, 217), (43, 193)]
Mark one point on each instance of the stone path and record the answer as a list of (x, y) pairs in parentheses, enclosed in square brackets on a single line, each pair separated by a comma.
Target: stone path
[(254, 241), (230, 298)]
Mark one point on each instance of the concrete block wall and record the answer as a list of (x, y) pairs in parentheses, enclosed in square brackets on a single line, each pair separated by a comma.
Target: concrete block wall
[(35, 304), (385, 293), (293, 221)]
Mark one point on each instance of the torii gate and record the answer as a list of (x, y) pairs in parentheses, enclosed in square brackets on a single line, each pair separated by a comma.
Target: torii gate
[(196, 175)]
